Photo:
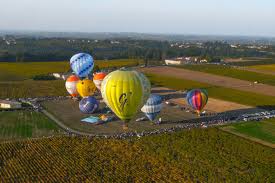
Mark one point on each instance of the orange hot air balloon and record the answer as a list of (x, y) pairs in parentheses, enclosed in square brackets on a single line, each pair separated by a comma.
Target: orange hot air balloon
[(98, 78), (70, 84)]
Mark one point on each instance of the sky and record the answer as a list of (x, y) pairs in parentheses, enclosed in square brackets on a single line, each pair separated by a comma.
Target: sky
[(205, 17)]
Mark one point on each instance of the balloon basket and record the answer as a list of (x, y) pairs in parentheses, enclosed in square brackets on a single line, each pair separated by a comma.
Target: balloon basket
[(125, 127), (198, 113)]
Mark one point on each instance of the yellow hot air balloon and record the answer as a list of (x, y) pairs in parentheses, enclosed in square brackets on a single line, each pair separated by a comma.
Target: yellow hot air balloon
[(86, 88), (123, 92)]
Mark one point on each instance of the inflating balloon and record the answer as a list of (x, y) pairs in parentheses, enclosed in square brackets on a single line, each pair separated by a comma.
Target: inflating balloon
[(98, 78), (88, 105), (152, 107), (82, 64), (197, 99), (70, 84), (122, 91), (85, 87)]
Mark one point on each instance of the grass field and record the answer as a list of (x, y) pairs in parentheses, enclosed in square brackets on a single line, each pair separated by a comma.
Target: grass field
[(30, 88), (15, 82), (232, 72), (21, 71), (25, 124), (198, 155), (241, 97), (255, 62), (270, 67), (264, 130)]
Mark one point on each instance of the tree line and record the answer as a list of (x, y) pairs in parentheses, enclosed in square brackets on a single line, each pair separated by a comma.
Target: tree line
[(57, 49)]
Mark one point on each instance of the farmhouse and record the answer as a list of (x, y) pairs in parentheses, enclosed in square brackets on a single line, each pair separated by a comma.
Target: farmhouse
[(6, 104)]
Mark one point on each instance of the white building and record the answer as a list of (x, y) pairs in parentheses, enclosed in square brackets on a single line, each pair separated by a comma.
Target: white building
[(5, 104), (57, 75), (174, 62), (181, 60)]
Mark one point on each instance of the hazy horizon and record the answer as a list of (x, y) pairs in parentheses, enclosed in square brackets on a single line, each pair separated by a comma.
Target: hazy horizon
[(212, 17)]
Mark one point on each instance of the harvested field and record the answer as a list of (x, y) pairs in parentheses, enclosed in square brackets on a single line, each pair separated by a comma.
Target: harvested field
[(216, 105), (212, 79), (213, 105)]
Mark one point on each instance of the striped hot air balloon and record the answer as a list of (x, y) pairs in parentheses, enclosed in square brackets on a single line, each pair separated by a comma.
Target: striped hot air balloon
[(82, 64), (152, 107), (197, 99), (98, 78), (88, 105), (70, 85)]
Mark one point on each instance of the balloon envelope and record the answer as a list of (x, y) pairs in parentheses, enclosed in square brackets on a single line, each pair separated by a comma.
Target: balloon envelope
[(88, 105), (146, 85), (152, 107), (82, 64), (197, 99), (85, 87), (122, 91), (98, 78), (70, 85)]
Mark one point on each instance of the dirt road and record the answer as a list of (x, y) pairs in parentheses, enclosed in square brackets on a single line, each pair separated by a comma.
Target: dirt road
[(212, 79)]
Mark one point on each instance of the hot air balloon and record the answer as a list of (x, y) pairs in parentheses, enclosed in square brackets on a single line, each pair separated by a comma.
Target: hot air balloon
[(88, 105), (98, 78), (152, 107), (122, 91), (82, 64), (85, 87), (71, 85), (197, 99), (146, 86)]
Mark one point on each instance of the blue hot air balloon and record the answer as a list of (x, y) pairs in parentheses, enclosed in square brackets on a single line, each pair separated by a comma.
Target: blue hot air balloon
[(82, 64), (88, 105), (152, 106)]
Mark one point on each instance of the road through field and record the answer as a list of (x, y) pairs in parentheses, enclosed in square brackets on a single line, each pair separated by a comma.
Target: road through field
[(62, 125), (212, 79)]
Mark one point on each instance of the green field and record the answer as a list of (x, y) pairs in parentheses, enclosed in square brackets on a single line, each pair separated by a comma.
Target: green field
[(254, 62), (25, 124), (21, 71), (241, 97), (15, 82), (270, 67), (264, 130), (30, 88), (208, 155), (232, 72)]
